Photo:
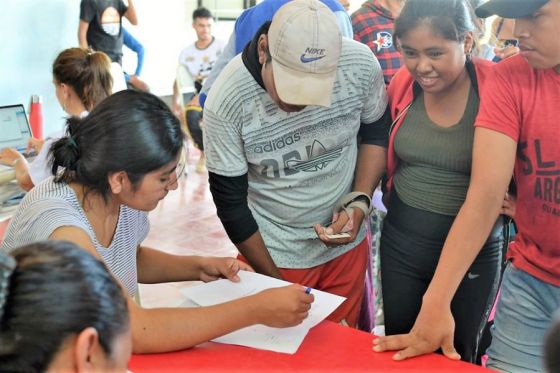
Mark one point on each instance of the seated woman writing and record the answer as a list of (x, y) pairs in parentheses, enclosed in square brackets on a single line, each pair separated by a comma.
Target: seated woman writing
[(119, 162)]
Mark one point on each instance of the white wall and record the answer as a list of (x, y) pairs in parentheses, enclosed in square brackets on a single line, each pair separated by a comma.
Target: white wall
[(164, 28), (33, 32)]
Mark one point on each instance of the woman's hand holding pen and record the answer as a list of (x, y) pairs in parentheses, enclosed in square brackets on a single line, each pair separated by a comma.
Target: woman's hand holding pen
[(284, 306)]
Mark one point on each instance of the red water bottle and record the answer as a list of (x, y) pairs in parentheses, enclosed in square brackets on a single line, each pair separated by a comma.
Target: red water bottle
[(36, 116)]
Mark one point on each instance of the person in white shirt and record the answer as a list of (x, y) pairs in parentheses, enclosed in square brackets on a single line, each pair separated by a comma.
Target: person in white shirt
[(197, 59)]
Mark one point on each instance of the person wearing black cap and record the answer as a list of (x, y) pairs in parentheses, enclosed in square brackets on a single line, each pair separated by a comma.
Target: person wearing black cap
[(509, 8), (517, 129)]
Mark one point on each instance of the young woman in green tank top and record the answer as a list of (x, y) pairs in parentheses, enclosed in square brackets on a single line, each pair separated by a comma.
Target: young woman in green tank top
[(434, 102)]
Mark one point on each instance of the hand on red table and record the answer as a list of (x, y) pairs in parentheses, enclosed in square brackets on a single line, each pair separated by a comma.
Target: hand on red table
[(434, 328), (284, 306)]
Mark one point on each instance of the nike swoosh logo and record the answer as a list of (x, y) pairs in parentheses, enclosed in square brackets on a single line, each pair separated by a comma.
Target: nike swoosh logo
[(309, 59), (472, 276)]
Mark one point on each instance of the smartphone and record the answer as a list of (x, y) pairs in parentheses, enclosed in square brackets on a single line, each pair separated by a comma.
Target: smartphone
[(338, 235)]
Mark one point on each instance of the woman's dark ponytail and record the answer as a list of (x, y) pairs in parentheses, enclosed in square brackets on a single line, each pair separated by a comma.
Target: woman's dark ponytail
[(65, 152)]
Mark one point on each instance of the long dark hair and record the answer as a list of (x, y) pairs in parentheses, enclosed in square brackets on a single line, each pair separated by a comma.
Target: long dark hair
[(129, 131), (451, 19), (55, 291), (87, 72)]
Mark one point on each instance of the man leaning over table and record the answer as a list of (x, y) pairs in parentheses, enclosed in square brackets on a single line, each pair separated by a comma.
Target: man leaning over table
[(282, 122)]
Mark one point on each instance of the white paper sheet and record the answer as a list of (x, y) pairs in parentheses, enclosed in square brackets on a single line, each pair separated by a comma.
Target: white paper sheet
[(285, 340)]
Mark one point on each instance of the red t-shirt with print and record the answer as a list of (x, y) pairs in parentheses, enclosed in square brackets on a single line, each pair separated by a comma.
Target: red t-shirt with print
[(524, 104)]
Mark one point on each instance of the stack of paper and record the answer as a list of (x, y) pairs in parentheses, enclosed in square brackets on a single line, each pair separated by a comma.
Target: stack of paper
[(285, 340)]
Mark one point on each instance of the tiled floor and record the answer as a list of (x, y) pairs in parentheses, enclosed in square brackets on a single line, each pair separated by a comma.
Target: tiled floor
[(185, 223)]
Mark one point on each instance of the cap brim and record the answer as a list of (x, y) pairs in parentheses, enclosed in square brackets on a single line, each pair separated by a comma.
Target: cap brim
[(509, 8), (303, 88)]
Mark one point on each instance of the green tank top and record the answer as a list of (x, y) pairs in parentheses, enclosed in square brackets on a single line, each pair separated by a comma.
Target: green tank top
[(435, 162)]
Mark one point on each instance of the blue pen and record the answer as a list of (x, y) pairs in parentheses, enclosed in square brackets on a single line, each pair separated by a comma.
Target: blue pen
[(308, 291)]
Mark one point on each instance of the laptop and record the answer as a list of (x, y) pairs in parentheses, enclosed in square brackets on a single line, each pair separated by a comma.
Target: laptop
[(15, 131)]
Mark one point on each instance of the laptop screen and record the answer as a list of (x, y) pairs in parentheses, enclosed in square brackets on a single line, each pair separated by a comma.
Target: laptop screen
[(14, 127)]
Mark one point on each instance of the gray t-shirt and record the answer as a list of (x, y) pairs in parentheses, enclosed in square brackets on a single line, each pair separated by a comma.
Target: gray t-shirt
[(298, 164), (51, 205)]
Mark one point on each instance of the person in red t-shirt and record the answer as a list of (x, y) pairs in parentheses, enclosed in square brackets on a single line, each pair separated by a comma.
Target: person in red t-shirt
[(517, 126)]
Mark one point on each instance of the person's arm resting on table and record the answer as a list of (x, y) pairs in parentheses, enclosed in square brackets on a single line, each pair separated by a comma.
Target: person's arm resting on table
[(156, 266), (230, 197), (13, 158), (168, 329)]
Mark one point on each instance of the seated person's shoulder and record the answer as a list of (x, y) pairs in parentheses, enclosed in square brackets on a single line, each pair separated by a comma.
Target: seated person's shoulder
[(40, 214), (48, 195), (75, 234)]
